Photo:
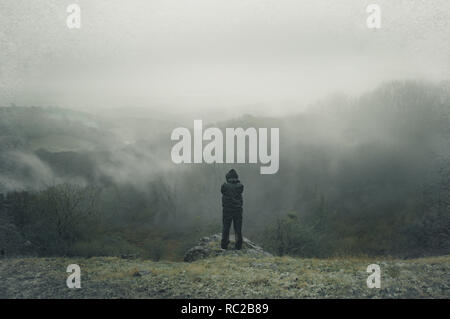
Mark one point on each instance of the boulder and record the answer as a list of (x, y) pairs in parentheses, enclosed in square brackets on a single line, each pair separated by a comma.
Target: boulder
[(210, 247)]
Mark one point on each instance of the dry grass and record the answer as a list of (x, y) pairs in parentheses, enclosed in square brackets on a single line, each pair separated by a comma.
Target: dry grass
[(225, 277)]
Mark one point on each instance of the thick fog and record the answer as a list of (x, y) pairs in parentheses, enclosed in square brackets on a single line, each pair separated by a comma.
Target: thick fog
[(262, 57), (86, 117)]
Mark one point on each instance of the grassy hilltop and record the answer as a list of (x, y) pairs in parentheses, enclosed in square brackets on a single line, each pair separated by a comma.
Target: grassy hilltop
[(225, 277)]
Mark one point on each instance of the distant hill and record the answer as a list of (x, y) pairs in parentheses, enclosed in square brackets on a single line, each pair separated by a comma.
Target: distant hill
[(54, 129), (42, 145)]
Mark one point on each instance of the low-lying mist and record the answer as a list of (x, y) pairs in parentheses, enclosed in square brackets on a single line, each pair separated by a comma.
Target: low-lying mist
[(364, 175)]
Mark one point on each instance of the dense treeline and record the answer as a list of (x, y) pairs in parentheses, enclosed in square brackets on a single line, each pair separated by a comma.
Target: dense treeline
[(358, 176)]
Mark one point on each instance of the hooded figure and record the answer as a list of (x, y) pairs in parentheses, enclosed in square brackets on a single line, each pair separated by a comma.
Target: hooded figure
[(232, 209)]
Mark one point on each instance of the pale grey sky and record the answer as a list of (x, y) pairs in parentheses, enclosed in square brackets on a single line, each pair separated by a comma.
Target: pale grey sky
[(214, 53)]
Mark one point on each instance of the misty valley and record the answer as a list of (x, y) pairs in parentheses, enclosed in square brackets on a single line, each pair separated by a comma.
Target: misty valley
[(359, 176)]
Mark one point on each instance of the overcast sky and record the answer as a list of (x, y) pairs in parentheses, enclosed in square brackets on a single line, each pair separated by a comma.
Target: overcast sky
[(214, 53)]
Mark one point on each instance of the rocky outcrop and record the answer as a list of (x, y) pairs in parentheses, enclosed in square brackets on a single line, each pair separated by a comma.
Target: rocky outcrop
[(210, 247)]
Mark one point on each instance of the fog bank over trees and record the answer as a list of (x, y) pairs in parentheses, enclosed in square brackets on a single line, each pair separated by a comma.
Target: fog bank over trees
[(365, 175)]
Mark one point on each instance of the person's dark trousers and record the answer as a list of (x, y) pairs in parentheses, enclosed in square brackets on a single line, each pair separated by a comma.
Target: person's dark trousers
[(234, 217)]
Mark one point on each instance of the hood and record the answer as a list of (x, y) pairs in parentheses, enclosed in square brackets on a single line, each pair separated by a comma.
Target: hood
[(232, 176)]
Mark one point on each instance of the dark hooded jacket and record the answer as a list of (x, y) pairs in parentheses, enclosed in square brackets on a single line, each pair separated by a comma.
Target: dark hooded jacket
[(232, 193)]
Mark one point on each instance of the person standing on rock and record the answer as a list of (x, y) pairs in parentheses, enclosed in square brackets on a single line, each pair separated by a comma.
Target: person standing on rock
[(232, 209)]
